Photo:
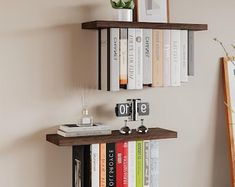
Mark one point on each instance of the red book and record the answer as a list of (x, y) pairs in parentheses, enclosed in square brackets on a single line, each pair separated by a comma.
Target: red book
[(119, 164), (125, 164)]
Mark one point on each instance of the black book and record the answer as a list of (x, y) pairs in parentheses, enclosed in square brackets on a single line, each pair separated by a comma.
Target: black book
[(110, 165)]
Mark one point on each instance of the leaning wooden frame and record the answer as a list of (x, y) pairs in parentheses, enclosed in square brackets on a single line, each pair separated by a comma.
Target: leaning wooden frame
[(229, 101)]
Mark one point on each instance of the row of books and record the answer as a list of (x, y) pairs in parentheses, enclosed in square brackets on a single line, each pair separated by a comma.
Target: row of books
[(131, 58), (122, 164)]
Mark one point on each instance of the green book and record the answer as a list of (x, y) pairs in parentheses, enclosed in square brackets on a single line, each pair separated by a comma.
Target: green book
[(139, 163)]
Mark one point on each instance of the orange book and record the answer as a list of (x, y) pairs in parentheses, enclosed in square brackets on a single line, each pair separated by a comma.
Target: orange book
[(103, 165)]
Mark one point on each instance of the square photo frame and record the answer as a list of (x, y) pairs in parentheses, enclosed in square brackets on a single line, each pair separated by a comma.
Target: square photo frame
[(153, 11)]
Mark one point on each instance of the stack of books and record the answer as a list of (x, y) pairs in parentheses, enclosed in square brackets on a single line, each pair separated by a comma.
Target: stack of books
[(121, 164), (73, 130), (131, 58)]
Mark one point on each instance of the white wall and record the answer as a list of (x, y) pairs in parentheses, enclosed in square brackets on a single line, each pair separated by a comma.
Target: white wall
[(46, 59)]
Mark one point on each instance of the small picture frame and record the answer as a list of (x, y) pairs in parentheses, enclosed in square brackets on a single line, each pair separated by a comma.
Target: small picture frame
[(152, 11)]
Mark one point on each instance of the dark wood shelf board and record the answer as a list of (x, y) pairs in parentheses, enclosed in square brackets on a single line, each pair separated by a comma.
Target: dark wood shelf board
[(144, 25), (154, 133)]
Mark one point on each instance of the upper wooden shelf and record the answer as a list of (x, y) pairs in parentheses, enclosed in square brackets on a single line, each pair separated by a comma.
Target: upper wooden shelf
[(154, 133), (144, 25)]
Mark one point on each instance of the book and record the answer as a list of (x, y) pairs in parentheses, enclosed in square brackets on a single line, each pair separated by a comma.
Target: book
[(95, 165), (123, 57), (175, 58), (110, 165), (87, 166), (166, 58), (184, 55), (114, 59), (84, 133), (131, 163), (125, 164), (76, 128), (190, 53), (131, 60), (139, 58), (103, 165), (146, 160), (103, 61), (154, 163), (119, 164), (157, 58), (139, 163), (147, 56)]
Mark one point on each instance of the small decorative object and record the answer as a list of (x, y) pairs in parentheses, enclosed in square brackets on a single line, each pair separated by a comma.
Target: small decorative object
[(133, 109), (86, 119), (125, 130), (124, 9), (153, 11), (142, 129)]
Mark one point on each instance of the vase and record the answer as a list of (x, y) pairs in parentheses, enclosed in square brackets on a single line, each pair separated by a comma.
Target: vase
[(123, 15)]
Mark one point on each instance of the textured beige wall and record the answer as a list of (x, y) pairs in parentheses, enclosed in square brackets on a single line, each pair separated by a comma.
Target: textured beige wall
[(45, 61)]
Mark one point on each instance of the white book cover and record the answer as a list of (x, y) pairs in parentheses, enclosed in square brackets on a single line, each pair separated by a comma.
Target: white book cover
[(166, 58), (123, 56), (84, 133), (95, 165), (184, 55), (114, 59), (154, 163), (131, 59), (81, 128), (104, 59), (175, 58), (147, 56), (139, 58), (146, 162), (132, 163), (190, 53)]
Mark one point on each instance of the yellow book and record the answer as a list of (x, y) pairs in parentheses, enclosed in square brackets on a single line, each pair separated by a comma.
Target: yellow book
[(103, 165)]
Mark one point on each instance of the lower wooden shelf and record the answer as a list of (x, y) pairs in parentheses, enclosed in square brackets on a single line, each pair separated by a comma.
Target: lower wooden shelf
[(153, 133)]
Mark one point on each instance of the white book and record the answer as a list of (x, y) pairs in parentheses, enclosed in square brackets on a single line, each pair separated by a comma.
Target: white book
[(104, 60), (147, 56), (190, 53), (132, 163), (81, 128), (114, 59), (184, 55), (131, 59), (166, 58), (154, 163), (84, 133), (139, 58), (95, 165), (146, 162), (123, 56), (175, 58)]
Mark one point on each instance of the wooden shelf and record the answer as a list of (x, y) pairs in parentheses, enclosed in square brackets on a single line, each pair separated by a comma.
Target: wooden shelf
[(154, 133), (121, 24)]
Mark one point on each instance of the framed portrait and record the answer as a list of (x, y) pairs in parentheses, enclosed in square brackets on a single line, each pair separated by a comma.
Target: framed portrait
[(152, 11), (229, 101)]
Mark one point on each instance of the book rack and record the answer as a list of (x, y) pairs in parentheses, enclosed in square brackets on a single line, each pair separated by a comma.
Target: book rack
[(80, 145)]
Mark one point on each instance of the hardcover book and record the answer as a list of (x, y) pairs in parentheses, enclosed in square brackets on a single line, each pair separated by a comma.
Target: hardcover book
[(139, 58), (119, 163), (125, 164), (132, 163), (146, 160), (123, 57), (95, 165), (103, 165), (104, 55), (154, 163), (184, 55), (110, 165), (191, 53), (139, 163), (166, 58)]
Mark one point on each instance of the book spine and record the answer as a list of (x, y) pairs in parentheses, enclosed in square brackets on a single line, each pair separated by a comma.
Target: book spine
[(146, 160), (131, 60), (147, 56), (139, 58), (191, 53), (119, 164), (175, 57), (95, 165), (103, 165), (166, 58), (157, 58), (154, 163), (110, 165), (132, 163), (184, 55), (139, 163), (123, 57), (87, 166), (114, 59), (104, 60), (125, 164)]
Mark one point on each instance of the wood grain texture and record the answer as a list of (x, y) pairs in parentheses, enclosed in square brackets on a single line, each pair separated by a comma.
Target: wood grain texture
[(144, 25), (154, 133)]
